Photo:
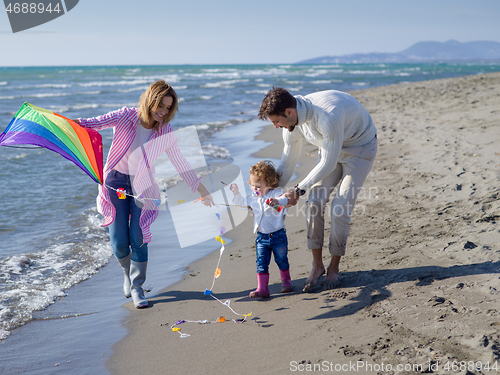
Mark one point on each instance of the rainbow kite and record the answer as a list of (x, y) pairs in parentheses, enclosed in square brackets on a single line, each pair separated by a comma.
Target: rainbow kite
[(39, 127)]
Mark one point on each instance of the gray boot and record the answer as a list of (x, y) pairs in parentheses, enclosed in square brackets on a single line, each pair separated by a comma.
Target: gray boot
[(125, 264), (137, 278)]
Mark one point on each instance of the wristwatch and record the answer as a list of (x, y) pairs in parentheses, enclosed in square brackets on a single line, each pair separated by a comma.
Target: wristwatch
[(299, 191)]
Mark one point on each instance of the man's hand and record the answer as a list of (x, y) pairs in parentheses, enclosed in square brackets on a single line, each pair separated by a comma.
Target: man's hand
[(293, 198)]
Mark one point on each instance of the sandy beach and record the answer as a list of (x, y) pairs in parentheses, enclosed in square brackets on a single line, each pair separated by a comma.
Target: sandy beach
[(420, 282)]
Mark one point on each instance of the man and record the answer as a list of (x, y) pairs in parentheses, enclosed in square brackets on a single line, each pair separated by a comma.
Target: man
[(346, 137)]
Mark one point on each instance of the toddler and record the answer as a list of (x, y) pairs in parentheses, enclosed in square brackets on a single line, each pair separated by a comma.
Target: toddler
[(269, 217)]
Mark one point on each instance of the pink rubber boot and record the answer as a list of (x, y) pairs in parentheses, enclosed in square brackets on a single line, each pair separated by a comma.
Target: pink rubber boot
[(262, 290), (286, 281)]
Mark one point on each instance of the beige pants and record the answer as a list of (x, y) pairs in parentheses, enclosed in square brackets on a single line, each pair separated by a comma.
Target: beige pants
[(352, 168)]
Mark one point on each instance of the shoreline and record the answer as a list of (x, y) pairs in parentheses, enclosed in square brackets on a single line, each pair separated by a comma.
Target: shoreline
[(419, 282)]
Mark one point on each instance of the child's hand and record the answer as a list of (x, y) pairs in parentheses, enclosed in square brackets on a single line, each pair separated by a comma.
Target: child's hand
[(272, 202), (234, 189)]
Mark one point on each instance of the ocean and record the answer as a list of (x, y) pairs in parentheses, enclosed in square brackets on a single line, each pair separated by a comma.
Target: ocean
[(60, 288)]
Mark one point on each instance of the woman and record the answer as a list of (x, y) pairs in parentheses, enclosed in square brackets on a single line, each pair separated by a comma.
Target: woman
[(140, 136)]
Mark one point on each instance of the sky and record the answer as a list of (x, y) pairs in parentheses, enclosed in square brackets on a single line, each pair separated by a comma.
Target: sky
[(168, 32)]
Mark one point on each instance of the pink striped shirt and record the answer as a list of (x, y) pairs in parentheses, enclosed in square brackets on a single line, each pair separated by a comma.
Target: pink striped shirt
[(124, 123)]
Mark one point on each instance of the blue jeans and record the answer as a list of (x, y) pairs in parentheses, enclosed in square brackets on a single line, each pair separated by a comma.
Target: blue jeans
[(124, 232), (275, 243)]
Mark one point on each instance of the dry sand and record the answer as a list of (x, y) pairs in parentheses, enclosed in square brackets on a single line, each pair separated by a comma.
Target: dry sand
[(420, 282)]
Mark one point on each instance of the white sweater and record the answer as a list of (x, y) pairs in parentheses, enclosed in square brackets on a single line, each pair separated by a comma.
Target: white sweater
[(266, 218), (330, 120)]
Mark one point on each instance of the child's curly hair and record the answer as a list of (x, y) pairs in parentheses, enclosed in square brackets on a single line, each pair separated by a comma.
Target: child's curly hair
[(266, 171)]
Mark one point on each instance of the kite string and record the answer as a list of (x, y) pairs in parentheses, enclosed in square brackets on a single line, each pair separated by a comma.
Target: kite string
[(216, 275), (218, 263), (209, 292), (230, 308), (141, 198), (219, 320), (138, 197)]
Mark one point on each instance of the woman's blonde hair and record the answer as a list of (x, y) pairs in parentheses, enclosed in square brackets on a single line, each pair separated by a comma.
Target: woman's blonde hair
[(265, 171), (151, 100)]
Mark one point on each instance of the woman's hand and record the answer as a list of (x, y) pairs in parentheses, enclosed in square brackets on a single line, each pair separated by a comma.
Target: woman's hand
[(207, 200), (205, 196)]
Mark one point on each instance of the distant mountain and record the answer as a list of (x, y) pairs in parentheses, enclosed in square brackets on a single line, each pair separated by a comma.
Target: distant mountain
[(420, 52)]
